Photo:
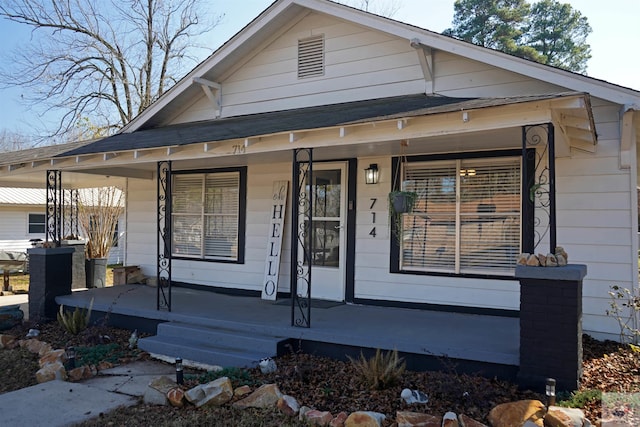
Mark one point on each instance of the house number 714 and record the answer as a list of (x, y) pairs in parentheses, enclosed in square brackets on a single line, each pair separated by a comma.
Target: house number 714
[(373, 232)]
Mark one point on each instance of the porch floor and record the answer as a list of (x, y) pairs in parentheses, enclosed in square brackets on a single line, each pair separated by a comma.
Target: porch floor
[(467, 337)]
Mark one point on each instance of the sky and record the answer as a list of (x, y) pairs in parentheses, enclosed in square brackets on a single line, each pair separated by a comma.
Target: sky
[(614, 41)]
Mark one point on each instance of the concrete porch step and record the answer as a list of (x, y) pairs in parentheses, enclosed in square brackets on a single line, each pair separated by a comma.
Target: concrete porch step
[(210, 345)]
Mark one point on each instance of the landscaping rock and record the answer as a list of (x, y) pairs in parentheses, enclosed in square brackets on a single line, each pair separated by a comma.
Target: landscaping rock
[(516, 414), (533, 261), (450, 419), (242, 390), (53, 356), (175, 396), (364, 419), (50, 372), (7, 341), (565, 417), (339, 420), (35, 346), (318, 418), (303, 411), (413, 396), (104, 365), (288, 405), (80, 373), (265, 396), (466, 421), (156, 392), (214, 393), (552, 261), (417, 419)]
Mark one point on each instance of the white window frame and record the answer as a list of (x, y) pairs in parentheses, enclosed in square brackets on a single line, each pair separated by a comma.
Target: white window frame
[(29, 223)]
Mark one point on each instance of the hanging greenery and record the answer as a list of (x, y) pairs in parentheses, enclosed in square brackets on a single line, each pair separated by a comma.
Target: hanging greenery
[(400, 201)]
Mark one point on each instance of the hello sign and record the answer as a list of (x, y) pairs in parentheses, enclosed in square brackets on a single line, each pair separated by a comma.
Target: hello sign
[(274, 241)]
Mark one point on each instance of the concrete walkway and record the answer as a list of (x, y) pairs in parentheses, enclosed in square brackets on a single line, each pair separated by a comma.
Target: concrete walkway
[(61, 403)]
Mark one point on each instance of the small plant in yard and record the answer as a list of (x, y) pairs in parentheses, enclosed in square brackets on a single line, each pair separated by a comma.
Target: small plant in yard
[(579, 399), (76, 321), (624, 306), (380, 371), (238, 376), (95, 354)]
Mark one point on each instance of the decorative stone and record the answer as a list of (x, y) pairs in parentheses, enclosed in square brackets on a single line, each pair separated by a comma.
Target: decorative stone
[(450, 419), (53, 356), (242, 390), (562, 261), (214, 393), (36, 346), (533, 261), (104, 365), (303, 411), (364, 419), (175, 396), (516, 414), (156, 393), (265, 396), (417, 419), (542, 259), (7, 341), (288, 405), (565, 417), (318, 418), (552, 261), (466, 421), (33, 333), (522, 259), (80, 373), (339, 420), (560, 251), (267, 365), (50, 372), (413, 396)]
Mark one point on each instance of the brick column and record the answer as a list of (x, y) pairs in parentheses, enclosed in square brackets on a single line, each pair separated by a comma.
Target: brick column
[(550, 325), (50, 275)]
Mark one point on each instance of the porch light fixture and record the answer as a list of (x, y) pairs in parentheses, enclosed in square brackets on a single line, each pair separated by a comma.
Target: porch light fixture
[(371, 174), (179, 372), (550, 391)]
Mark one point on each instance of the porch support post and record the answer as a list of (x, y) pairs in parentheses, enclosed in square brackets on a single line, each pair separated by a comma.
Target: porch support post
[(164, 236), (550, 325), (301, 237), (54, 207), (539, 187), (70, 218)]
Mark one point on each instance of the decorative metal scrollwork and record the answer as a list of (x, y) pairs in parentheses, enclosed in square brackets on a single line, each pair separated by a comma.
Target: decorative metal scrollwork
[(164, 236), (301, 243), (54, 207), (539, 150), (70, 227)]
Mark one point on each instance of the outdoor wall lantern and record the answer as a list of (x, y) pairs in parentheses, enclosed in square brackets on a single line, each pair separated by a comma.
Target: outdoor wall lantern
[(179, 372), (371, 174), (550, 391)]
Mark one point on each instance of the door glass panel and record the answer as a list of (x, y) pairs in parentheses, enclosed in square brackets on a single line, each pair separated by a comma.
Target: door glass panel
[(326, 193), (326, 251)]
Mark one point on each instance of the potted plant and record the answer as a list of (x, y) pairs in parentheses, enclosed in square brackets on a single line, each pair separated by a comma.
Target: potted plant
[(402, 201), (99, 210)]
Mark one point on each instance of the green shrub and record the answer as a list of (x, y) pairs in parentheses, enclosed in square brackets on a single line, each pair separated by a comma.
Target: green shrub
[(578, 399), (76, 321), (93, 355), (238, 376), (380, 371)]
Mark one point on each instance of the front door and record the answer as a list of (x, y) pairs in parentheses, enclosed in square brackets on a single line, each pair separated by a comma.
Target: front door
[(328, 193)]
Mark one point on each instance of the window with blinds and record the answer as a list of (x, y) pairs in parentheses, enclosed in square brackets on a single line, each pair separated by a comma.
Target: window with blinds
[(466, 219), (206, 215)]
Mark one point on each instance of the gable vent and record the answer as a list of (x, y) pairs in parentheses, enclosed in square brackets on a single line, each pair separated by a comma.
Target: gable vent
[(311, 57)]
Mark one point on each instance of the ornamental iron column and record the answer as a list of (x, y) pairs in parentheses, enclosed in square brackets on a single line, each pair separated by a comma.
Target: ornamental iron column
[(54, 212), (538, 187), (301, 237), (164, 236), (70, 225)]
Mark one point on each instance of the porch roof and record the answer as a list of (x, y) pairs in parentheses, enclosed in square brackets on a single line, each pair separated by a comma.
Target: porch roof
[(326, 116)]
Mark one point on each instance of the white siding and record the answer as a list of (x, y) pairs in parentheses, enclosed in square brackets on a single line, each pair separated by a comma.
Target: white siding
[(359, 64), (14, 227)]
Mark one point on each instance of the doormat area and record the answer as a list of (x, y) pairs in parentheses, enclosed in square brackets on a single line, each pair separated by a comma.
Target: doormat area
[(315, 303)]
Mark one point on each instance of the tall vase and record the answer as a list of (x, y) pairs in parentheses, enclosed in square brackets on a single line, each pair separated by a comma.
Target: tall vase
[(96, 272)]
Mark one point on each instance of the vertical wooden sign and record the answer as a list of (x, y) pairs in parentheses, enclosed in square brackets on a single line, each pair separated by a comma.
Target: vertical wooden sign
[(274, 241)]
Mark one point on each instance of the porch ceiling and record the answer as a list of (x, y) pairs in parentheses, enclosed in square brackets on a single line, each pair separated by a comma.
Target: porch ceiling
[(362, 129)]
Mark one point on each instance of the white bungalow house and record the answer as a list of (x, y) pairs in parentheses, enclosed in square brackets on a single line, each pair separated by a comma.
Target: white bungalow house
[(504, 155)]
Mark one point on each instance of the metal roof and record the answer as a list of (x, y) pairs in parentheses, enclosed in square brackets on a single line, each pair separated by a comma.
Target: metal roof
[(23, 196)]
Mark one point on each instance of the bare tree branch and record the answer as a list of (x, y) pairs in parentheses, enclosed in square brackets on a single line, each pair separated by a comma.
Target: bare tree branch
[(101, 61)]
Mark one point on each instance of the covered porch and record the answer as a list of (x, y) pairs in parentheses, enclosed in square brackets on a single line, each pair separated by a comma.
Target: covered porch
[(474, 343)]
